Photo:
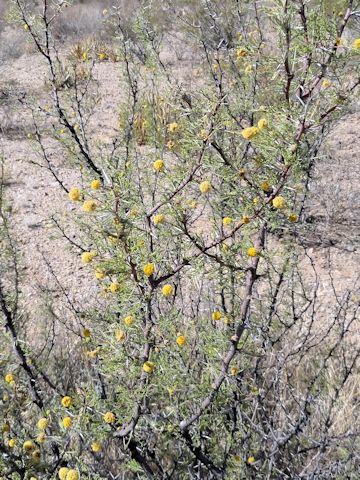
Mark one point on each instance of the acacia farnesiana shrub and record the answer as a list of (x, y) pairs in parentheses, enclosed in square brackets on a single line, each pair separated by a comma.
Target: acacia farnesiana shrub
[(205, 355)]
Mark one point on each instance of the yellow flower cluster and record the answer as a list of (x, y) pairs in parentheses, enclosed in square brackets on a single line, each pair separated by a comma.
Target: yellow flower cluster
[(74, 194), (158, 165), (227, 221), (95, 184), (12, 442), (88, 257), (265, 186), (252, 252), (279, 202), (160, 218), (120, 335), (356, 44), (68, 474), (262, 123), (9, 378), (109, 417), (99, 274), (205, 186), (148, 367), (172, 127), (43, 423), (149, 269), (89, 206), (67, 422), (129, 320), (181, 340), (66, 401), (241, 53), (249, 132), (28, 446), (86, 333), (216, 315), (96, 447), (114, 287), (167, 290)]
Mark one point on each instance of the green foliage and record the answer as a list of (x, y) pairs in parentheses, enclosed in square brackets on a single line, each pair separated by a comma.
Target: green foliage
[(241, 395)]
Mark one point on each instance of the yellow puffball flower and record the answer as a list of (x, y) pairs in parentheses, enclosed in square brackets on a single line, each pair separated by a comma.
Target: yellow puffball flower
[(63, 472), (28, 446), (129, 320), (170, 144), (245, 220), (72, 475), (41, 438), (193, 204), (279, 202), (36, 455), (96, 447), (265, 186), (262, 123), (227, 221), (205, 186), (67, 422), (181, 340), (160, 218), (88, 257), (33, 478), (293, 217), (149, 269), (102, 56), (11, 442), (74, 194), (109, 417), (89, 206), (86, 333), (249, 132), (95, 184), (85, 56), (43, 423), (172, 127), (250, 460), (167, 290), (120, 335), (252, 252), (6, 427), (158, 165), (234, 370), (66, 401), (326, 83), (100, 274), (9, 377), (241, 52), (114, 287), (216, 315), (148, 367), (356, 44)]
